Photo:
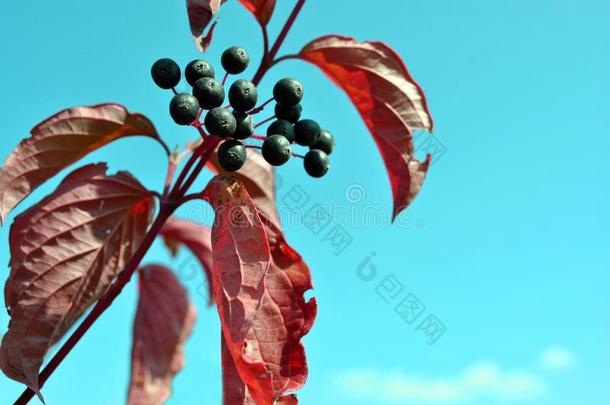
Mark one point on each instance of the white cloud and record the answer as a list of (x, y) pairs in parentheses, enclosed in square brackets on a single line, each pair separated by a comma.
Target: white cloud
[(483, 380), (556, 358)]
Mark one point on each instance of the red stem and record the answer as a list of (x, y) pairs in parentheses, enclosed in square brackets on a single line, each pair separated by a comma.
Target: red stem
[(167, 208)]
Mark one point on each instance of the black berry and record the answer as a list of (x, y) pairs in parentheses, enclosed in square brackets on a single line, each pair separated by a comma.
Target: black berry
[(209, 92), (276, 150), (245, 125), (165, 73), (220, 122), (281, 127), (184, 108), (325, 142), (243, 95), (235, 60), (231, 155), (316, 163), (290, 113), (306, 132), (288, 91), (198, 69)]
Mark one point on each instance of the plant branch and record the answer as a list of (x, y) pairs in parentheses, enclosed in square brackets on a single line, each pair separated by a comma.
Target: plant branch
[(167, 209), (283, 58), (174, 197), (267, 62)]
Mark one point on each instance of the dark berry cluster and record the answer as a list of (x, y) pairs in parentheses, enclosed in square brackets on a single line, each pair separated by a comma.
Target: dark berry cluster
[(236, 124)]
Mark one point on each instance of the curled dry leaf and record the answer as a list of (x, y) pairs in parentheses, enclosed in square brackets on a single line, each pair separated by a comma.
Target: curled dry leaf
[(262, 9), (391, 103), (164, 320), (60, 141), (259, 179), (65, 252), (196, 238), (200, 13)]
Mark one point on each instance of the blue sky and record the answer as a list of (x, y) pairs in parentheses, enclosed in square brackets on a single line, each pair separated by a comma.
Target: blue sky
[(506, 245)]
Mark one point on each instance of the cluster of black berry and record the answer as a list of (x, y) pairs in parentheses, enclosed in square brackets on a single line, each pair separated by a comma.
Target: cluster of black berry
[(237, 125)]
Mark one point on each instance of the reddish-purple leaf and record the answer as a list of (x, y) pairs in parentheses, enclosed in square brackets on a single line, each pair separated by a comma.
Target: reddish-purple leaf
[(206, 41), (262, 9), (234, 391), (65, 251), (60, 141), (163, 322), (288, 400), (241, 259), (273, 361), (197, 238), (200, 14), (391, 103), (258, 177)]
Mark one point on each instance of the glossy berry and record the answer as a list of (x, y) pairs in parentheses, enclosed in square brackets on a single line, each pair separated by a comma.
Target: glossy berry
[(231, 155), (198, 69), (220, 122), (325, 142), (306, 132), (245, 125), (288, 91), (316, 163), (290, 113), (209, 92), (184, 108), (276, 150), (165, 73), (235, 60), (243, 95), (281, 127)]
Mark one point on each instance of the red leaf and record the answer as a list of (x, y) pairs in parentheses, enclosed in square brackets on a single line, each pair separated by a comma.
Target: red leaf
[(241, 259), (284, 317), (262, 9), (200, 14), (163, 322), (288, 400), (258, 177), (234, 392), (206, 41), (197, 238), (60, 141), (273, 361), (65, 251), (391, 103), (241, 256)]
